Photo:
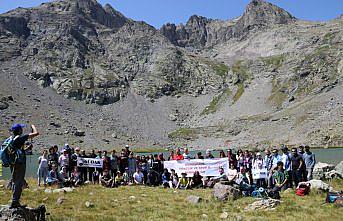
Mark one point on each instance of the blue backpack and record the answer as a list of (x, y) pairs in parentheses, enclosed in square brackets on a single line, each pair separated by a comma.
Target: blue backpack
[(8, 153)]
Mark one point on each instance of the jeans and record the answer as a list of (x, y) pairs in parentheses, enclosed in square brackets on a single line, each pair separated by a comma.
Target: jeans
[(309, 174), (42, 173), (18, 176)]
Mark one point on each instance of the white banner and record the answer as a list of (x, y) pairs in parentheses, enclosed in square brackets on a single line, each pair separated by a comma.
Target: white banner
[(259, 173), (206, 167), (89, 162)]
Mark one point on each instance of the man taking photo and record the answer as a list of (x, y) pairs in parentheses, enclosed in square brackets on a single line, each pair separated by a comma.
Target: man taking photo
[(18, 169)]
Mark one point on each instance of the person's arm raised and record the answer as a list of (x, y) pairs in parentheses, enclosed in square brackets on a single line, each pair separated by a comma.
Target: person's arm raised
[(34, 132)]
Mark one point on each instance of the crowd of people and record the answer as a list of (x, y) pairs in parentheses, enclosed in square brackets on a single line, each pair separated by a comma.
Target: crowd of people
[(285, 169)]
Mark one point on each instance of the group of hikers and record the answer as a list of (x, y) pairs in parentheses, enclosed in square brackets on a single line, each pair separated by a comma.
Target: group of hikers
[(284, 170), (59, 167)]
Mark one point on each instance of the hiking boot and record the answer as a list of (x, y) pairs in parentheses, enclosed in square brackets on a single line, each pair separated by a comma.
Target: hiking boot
[(16, 205)]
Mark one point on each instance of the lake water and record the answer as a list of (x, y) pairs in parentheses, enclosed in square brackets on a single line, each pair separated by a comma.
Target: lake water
[(332, 156)]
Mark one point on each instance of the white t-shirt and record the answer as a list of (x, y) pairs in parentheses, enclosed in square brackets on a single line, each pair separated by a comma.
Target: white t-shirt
[(186, 156), (63, 160), (231, 174), (43, 162), (138, 177)]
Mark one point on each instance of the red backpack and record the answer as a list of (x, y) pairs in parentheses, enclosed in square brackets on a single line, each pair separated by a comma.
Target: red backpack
[(303, 189)]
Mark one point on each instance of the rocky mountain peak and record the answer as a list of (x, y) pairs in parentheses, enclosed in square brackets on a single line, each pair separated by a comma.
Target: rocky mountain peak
[(260, 13)]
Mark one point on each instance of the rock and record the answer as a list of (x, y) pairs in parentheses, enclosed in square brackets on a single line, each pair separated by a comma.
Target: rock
[(19, 214), (333, 174), (204, 215), (194, 199), (87, 182), (320, 169), (114, 135), (68, 189), (89, 204), (59, 191), (264, 204), (172, 117), (224, 215), (79, 133), (319, 185), (60, 200), (339, 168), (3, 105), (225, 192), (48, 190), (132, 197)]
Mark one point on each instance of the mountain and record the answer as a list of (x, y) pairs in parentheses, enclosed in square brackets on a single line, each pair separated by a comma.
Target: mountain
[(90, 76)]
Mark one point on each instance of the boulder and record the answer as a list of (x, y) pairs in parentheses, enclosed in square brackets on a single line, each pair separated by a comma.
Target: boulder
[(319, 185), (58, 191), (264, 204), (194, 199), (89, 204), (225, 192), (333, 174), (320, 169), (339, 168), (21, 213), (68, 189), (3, 105), (79, 133)]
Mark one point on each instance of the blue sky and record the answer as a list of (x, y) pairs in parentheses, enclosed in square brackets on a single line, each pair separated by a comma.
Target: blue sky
[(158, 12)]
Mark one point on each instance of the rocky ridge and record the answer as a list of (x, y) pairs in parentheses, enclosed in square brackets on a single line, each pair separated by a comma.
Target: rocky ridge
[(76, 67)]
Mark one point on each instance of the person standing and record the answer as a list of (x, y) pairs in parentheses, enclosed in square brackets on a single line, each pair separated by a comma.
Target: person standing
[(43, 168), (297, 165), (18, 169), (132, 165), (275, 158), (114, 164), (83, 170), (310, 161)]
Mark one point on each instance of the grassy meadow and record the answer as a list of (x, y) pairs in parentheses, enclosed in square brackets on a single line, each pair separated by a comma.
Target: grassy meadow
[(147, 203)]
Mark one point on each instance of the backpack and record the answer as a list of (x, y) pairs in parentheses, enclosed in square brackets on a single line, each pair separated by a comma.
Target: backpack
[(9, 154), (303, 189)]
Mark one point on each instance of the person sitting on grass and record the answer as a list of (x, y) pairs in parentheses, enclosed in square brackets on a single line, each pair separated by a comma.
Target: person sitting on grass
[(76, 178), (126, 176), (232, 174), (64, 178), (119, 180), (95, 176), (183, 183), (153, 177), (165, 178), (221, 177), (196, 181), (106, 179), (52, 176), (138, 177), (280, 177), (174, 179)]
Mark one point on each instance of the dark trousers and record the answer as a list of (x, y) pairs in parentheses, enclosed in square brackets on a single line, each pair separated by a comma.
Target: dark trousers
[(83, 171), (296, 177), (18, 179)]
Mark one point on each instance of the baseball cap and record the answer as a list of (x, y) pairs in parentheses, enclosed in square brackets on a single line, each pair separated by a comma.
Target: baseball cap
[(17, 127)]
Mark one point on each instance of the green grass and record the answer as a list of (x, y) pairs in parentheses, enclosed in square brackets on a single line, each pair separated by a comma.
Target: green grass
[(183, 133), (220, 68), (216, 102), (274, 61), (241, 71), (278, 97), (165, 204), (239, 93)]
